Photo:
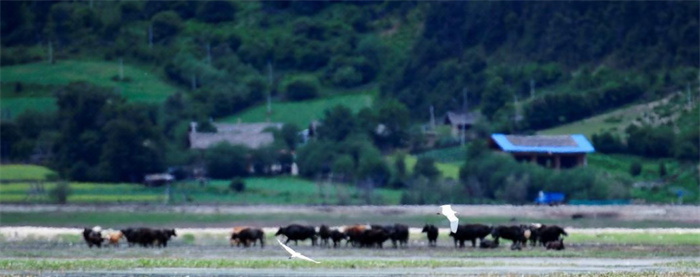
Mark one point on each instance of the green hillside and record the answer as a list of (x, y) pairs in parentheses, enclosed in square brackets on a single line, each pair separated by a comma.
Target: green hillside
[(663, 111), (588, 67), (137, 85)]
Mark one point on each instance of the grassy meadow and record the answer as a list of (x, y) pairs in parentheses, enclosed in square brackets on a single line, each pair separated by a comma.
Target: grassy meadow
[(300, 113), (656, 112), (39, 79), (278, 190), (10, 172)]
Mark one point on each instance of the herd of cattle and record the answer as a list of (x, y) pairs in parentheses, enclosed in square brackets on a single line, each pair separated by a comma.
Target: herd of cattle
[(366, 236), (145, 237)]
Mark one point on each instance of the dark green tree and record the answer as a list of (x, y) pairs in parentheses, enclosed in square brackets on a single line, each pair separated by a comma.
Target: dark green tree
[(216, 11), (337, 124), (425, 166), (394, 116), (290, 134), (166, 25), (225, 161)]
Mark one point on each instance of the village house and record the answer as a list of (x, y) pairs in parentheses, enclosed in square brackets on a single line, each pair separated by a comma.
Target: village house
[(460, 122), (251, 135), (555, 151)]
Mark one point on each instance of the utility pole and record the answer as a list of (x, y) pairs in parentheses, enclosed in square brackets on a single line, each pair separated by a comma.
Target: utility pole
[(209, 53), (270, 80), (432, 118), (50, 52), (194, 82), (532, 88), (121, 69), (464, 97), (517, 107), (150, 36)]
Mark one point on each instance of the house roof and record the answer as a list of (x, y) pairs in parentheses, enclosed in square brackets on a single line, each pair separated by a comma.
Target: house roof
[(158, 177), (461, 118), (251, 135), (543, 144)]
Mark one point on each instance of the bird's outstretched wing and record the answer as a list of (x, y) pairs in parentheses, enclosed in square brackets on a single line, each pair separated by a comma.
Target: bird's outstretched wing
[(300, 256), (452, 218), (454, 224), (291, 251), (450, 214)]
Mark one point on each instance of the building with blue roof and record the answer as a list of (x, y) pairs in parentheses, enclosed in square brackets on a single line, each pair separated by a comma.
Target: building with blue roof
[(555, 151)]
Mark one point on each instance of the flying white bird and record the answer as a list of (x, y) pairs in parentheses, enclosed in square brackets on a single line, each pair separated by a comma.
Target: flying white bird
[(295, 254), (450, 214)]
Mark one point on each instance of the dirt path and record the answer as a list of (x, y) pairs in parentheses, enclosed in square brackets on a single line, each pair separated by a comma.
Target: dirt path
[(625, 212)]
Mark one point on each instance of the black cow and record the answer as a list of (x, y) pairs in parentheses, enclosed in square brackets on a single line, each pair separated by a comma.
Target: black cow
[(555, 245), (297, 232), (337, 236), (92, 238), (516, 234), (399, 233), (487, 244), (145, 237), (550, 233), (163, 236), (250, 235), (470, 232), (324, 233), (374, 237), (432, 233), (130, 235)]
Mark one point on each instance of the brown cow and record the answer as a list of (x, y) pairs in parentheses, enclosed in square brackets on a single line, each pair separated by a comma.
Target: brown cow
[(354, 234), (114, 238)]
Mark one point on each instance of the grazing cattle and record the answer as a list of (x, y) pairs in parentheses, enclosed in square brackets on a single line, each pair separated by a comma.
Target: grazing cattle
[(488, 244), (399, 233), (114, 238), (324, 233), (145, 237), (550, 233), (250, 235), (556, 245), (516, 234), (470, 232), (234, 235), (130, 235), (374, 237), (534, 232), (354, 233), (337, 236), (148, 237), (92, 237), (432, 233), (163, 236), (297, 232)]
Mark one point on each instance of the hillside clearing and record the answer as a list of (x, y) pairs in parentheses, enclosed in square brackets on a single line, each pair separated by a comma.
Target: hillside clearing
[(300, 113), (139, 84), (23, 172), (656, 112)]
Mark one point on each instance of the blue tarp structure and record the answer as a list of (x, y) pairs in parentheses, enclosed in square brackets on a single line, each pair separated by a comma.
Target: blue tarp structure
[(543, 144)]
